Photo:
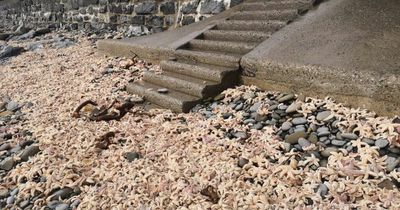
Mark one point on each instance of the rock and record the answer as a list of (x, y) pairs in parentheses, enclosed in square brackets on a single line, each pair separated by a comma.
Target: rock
[(5, 146), (255, 107), (293, 107), (392, 163), (63, 43), (299, 121), (338, 143), (10, 51), (321, 116), (394, 150), (10, 200), (386, 184), (62, 206), (162, 90), (212, 7), (286, 146), (3, 193), (24, 203), (14, 192), (293, 138), (53, 204), (12, 106), (63, 193), (350, 136), (313, 138), (381, 143), (327, 151), (286, 126), (35, 46), (240, 135), (368, 141), (249, 121), (285, 98), (242, 162), (323, 190), (261, 117), (257, 126), (7, 164), (131, 156), (29, 152), (42, 31), (147, 7), (323, 162), (304, 142), (75, 203), (239, 107), (324, 133)]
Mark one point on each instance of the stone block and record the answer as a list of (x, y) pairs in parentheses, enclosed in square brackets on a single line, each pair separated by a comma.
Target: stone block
[(212, 7), (149, 7), (167, 8)]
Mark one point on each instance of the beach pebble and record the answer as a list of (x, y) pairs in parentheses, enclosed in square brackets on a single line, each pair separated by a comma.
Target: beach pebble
[(321, 116), (242, 162), (327, 151), (350, 136), (381, 143), (299, 121)]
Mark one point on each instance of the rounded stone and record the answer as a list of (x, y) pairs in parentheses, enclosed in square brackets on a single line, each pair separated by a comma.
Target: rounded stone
[(304, 142), (7, 164), (286, 126), (248, 95), (62, 206), (285, 98), (391, 163), (321, 116), (131, 156), (249, 121), (257, 126), (299, 121), (294, 137), (255, 107), (339, 143), (323, 190), (240, 135), (29, 152), (293, 107), (327, 151), (381, 143), (313, 138), (242, 162)]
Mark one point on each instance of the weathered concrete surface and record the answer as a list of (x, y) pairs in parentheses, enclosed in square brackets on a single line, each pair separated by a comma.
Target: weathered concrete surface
[(346, 49), (160, 46)]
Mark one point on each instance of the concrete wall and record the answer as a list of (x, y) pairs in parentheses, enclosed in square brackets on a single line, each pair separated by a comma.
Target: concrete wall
[(149, 15)]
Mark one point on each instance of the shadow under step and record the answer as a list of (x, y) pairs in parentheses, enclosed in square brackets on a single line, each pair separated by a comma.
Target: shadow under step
[(174, 100), (221, 46), (244, 25), (214, 58), (199, 70), (280, 15), (232, 35), (183, 83), (276, 5)]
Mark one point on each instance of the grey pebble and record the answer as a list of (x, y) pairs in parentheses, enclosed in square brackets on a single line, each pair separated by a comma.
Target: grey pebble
[(285, 98), (10, 200), (240, 135), (282, 107), (257, 126), (368, 141), (62, 193), (7, 164), (299, 121), (323, 190), (255, 107), (14, 192), (323, 133), (381, 143), (321, 116), (53, 204), (239, 107), (303, 142), (249, 121), (131, 156), (327, 151), (293, 107), (62, 206), (338, 142), (75, 203), (313, 138), (391, 163), (248, 95), (12, 106), (286, 126), (293, 138), (242, 162), (24, 203), (29, 152)]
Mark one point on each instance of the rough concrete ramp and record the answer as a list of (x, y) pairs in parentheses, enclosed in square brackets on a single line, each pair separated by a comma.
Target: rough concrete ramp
[(346, 49)]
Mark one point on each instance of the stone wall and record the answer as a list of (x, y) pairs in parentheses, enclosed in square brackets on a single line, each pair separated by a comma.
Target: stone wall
[(124, 15)]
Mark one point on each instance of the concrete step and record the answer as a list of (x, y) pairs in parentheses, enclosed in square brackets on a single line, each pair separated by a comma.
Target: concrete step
[(281, 15), (232, 35), (221, 46), (201, 71), (174, 100), (214, 58), (186, 84), (276, 5), (246, 25)]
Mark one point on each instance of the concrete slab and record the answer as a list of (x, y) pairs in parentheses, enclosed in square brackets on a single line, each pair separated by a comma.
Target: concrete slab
[(346, 49), (160, 46)]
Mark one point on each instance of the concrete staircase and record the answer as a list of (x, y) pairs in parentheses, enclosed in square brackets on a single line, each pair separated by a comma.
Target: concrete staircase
[(209, 64)]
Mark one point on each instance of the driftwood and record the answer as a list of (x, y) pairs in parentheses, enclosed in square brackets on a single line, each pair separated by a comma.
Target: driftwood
[(105, 113)]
